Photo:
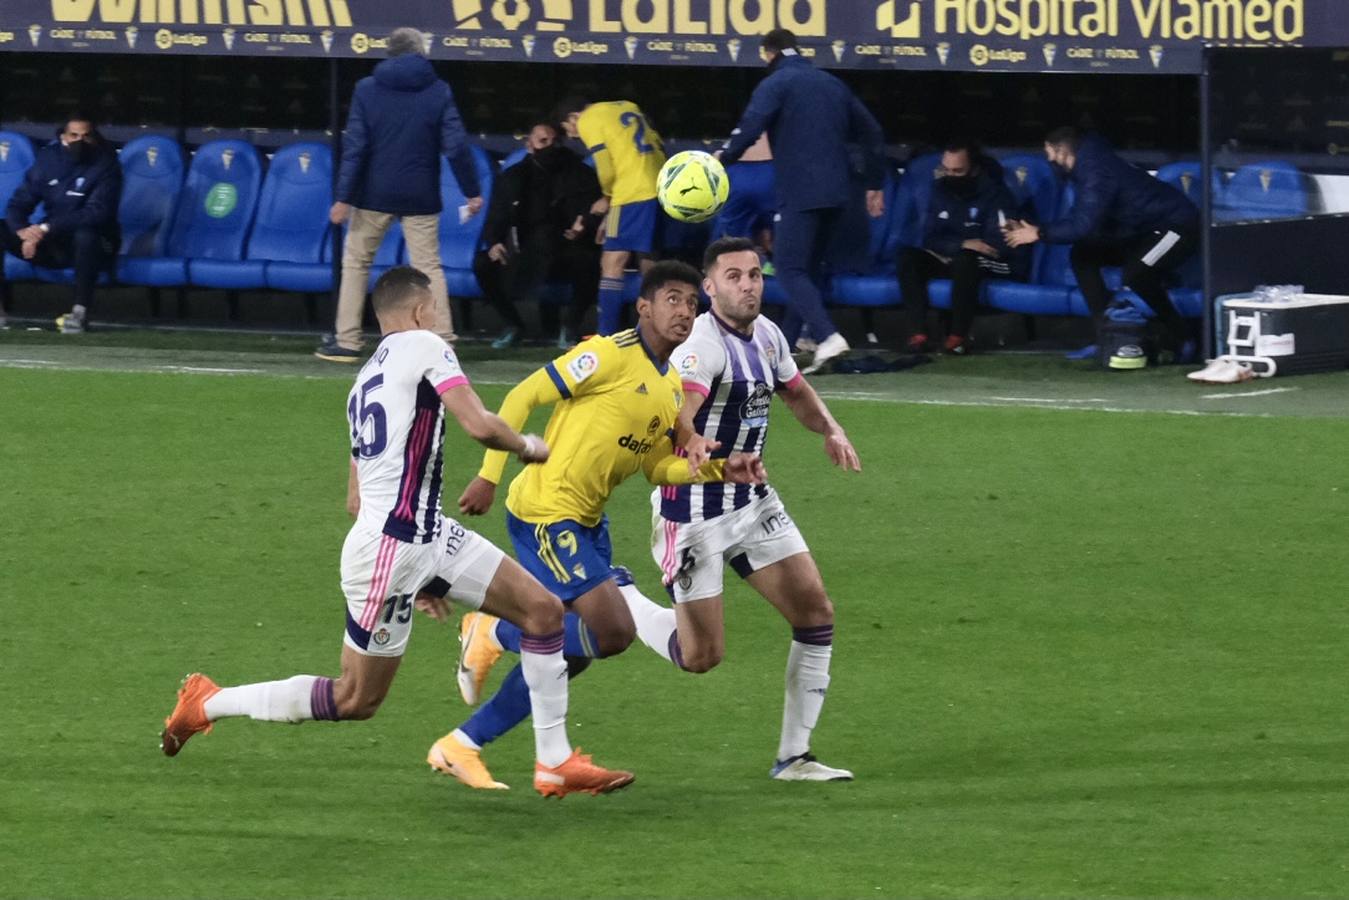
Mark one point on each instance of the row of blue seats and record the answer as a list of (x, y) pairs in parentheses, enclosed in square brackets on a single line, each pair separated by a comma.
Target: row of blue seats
[(221, 222)]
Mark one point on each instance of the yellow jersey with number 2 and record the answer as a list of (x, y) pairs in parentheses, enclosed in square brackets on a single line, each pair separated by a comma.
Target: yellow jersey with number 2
[(628, 152)]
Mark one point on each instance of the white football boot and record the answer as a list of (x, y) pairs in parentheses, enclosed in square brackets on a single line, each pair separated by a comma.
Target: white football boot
[(807, 768)]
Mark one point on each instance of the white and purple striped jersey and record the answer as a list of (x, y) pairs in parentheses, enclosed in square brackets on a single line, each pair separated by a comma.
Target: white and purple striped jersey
[(397, 426), (737, 376)]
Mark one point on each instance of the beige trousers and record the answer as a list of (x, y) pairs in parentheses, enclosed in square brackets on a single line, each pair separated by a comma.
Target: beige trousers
[(365, 231)]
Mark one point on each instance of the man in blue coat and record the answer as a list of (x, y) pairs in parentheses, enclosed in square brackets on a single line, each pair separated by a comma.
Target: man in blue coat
[(963, 241), (402, 120), (810, 117), (1121, 216), (77, 180)]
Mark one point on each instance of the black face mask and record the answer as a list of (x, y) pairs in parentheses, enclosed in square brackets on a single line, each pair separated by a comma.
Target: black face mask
[(1059, 169), (552, 157), (961, 185), (79, 151)]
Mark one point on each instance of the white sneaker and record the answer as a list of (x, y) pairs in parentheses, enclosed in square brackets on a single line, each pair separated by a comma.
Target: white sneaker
[(830, 348), (1224, 370), (807, 768)]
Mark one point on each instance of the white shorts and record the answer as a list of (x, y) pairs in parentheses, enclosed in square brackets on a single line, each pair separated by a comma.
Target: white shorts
[(381, 577), (693, 555)]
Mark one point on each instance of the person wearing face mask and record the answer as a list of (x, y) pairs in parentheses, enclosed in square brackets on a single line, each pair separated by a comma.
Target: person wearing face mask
[(540, 226), (1121, 216), (962, 241), (77, 180)]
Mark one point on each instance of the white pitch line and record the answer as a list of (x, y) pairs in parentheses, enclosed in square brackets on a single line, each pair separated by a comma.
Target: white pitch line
[(1046, 400), (1264, 393), (209, 370)]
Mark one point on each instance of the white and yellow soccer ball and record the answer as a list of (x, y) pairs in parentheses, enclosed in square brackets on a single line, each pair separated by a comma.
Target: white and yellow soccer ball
[(692, 186)]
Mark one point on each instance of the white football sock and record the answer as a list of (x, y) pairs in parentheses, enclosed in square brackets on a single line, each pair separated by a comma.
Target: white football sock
[(545, 672), (458, 735), (807, 682), (267, 701), (655, 623)]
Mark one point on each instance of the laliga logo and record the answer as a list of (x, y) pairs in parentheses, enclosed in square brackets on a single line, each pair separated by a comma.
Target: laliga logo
[(326, 37), (733, 47), (1155, 54), (164, 39), (630, 44), (229, 38), (887, 19), (839, 48), (562, 48), (979, 55), (1050, 51), (132, 32), (528, 41), (360, 43)]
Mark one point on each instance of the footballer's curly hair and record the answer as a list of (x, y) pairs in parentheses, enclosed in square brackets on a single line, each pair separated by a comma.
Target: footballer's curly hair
[(665, 272)]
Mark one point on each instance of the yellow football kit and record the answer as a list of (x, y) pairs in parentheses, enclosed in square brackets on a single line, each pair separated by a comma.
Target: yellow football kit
[(614, 413), (628, 152)]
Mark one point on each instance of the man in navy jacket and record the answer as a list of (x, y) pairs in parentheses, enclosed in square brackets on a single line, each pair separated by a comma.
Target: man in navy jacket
[(1121, 216), (810, 117), (77, 180), (402, 120), (963, 241)]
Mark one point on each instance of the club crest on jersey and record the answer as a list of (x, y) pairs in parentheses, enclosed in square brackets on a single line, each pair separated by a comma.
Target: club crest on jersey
[(653, 426), (689, 364), (754, 411), (583, 366)]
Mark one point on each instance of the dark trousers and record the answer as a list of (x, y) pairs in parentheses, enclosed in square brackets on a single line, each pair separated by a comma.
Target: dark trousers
[(800, 246), (85, 249), (966, 269), (1149, 263), (539, 260)]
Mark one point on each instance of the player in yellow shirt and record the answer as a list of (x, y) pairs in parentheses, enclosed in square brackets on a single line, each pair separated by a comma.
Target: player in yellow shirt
[(615, 411), (628, 156)]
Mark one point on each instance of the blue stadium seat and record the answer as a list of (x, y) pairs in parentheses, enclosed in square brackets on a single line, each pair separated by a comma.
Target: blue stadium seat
[(459, 240), (1049, 291), (877, 287), (152, 180), (1265, 190), (1033, 183), (213, 216), (291, 226), (16, 158), (917, 185), (513, 157), (1188, 176)]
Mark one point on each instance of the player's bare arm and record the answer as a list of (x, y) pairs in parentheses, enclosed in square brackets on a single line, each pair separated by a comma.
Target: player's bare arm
[(489, 429), (811, 412), (353, 492), (535, 391)]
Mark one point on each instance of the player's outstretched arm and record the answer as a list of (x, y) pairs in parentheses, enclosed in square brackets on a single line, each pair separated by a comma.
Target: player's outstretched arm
[(811, 412), (489, 429)]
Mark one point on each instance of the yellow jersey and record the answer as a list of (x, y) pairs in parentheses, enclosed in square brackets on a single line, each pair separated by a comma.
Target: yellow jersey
[(628, 152), (614, 413)]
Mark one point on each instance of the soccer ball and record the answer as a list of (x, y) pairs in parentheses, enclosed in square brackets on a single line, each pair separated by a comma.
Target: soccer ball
[(692, 186)]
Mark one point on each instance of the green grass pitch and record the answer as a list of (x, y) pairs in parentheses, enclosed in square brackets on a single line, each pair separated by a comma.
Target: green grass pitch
[(1078, 654)]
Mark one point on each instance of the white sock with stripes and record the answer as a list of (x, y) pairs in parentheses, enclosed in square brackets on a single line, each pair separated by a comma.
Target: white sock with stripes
[(297, 699), (545, 671), (655, 623)]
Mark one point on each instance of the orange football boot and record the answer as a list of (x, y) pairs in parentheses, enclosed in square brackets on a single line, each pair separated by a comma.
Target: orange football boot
[(189, 716), (577, 774)]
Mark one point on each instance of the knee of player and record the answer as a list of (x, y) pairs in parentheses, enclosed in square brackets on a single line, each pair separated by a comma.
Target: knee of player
[(616, 638), (543, 615), (703, 660)]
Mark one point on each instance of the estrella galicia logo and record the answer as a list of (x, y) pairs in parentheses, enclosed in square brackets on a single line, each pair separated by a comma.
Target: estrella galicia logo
[(754, 411)]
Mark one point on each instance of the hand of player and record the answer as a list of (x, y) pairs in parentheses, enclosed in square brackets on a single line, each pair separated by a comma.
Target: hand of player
[(497, 253), (600, 207), (354, 505), (1021, 234), (601, 231), (534, 451), (745, 468), (699, 449), (840, 451), (981, 247), (437, 608), (477, 498), (473, 205), (576, 230), (875, 204), (339, 212)]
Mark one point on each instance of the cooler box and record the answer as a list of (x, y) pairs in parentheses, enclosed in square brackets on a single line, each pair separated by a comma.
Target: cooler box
[(1305, 333)]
